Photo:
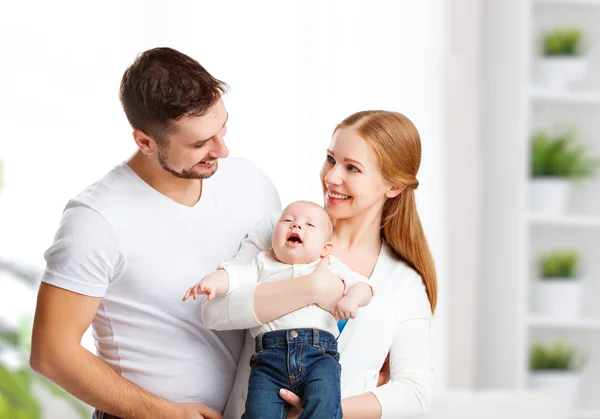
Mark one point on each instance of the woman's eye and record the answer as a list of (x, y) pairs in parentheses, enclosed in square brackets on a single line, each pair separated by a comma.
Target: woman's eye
[(353, 168), (330, 159)]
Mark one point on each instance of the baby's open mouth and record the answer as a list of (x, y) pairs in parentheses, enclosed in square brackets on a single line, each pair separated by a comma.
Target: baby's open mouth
[(294, 238)]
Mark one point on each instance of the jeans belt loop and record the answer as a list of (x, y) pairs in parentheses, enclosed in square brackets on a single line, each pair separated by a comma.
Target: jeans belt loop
[(259, 342)]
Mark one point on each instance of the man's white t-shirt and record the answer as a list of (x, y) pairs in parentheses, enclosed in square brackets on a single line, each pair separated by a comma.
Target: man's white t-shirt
[(140, 251), (265, 268)]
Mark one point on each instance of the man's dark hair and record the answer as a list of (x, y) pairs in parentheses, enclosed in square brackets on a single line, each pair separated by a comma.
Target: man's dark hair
[(163, 85)]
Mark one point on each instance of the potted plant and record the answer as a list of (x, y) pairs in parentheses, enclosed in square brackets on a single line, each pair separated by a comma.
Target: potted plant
[(19, 385), (561, 63), (558, 290), (556, 161), (556, 369)]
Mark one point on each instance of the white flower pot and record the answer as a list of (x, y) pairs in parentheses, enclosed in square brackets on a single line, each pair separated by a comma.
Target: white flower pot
[(560, 72), (557, 297), (549, 195), (562, 385)]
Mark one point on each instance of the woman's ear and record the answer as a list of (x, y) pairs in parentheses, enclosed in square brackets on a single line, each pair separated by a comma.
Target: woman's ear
[(394, 191), (326, 249)]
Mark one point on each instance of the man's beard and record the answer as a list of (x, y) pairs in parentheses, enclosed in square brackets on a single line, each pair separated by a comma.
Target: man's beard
[(185, 173)]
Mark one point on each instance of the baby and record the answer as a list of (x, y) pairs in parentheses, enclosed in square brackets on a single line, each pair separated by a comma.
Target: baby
[(297, 351)]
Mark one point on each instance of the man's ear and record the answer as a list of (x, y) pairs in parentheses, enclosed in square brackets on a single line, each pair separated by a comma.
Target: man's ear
[(326, 249), (395, 190), (145, 143)]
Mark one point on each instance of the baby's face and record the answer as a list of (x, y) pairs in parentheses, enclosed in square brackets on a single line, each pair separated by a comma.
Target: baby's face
[(301, 234)]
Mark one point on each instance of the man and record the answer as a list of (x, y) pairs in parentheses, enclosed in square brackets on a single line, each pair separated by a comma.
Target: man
[(129, 246)]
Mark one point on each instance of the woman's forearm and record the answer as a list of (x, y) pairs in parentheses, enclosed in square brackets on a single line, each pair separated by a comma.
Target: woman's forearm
[(364, 406), (252, 305), (275, 299)]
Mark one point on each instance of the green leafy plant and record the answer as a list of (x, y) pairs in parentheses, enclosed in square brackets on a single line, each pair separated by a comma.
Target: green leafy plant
[(559, 264), (17, 397), (559, 356), (562, 41), (561, 156)]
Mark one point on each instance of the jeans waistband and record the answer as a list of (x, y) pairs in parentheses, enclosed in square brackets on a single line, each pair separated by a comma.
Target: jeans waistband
[(315, 337)]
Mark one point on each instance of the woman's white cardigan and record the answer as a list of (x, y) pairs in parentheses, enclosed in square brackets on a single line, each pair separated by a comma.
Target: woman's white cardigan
[(397, 321)]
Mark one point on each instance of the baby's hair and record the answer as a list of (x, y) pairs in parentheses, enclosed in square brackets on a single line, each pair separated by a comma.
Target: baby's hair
[(315, 205)]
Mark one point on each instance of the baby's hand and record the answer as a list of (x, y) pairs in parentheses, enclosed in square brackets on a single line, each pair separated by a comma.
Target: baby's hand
[(347, 307), (202, 287)]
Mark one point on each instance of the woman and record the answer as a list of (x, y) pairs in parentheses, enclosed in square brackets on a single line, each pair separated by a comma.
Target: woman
[(369, 178)]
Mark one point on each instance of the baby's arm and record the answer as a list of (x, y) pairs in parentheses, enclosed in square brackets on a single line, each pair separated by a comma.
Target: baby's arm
[(213, 285), (224, 280), (359, 290), (359, 295)]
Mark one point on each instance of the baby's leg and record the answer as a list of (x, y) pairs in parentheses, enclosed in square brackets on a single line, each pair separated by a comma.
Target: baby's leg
[(321, 394), (268, 376)]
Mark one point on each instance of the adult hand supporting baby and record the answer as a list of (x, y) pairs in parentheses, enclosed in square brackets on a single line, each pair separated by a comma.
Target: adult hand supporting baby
[(295, 402), (328, 288)]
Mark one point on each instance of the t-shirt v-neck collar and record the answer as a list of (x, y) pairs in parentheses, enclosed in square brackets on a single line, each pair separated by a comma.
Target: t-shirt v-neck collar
[(150, 191)]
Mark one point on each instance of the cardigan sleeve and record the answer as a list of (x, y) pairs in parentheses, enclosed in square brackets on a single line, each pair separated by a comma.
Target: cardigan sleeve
[(236, 310), (410, 391)]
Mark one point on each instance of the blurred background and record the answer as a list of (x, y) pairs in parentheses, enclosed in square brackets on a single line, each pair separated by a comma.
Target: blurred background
[(505, 94)]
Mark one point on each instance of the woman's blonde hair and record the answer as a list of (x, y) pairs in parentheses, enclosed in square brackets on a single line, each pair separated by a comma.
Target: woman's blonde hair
[(397, 145)]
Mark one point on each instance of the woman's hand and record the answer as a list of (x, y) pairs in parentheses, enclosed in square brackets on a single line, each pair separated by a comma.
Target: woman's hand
[(295, 409), (328, 287)]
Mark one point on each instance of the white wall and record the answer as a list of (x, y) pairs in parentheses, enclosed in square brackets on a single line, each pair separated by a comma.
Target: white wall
[(463, 187), (295, 70), (501, 358)]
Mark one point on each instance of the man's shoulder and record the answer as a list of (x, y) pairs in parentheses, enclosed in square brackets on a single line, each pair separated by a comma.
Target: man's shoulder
[(108, 190)]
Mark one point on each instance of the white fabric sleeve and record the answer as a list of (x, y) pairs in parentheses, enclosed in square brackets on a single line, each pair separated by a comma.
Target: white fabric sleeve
[(240, 274), (257, 240), (236, 310), (347, 275), (410, 391), (85, 256)]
